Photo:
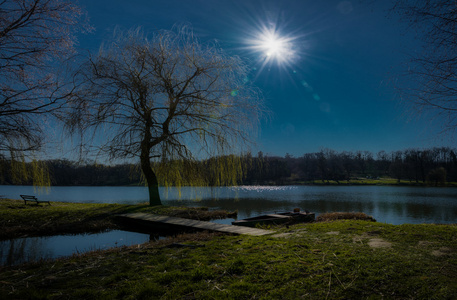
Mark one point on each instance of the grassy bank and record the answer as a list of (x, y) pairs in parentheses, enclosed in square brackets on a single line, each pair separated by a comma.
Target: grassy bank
[(344, 259)]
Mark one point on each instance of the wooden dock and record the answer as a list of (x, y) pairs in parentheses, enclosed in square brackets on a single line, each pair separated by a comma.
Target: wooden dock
[(188, 223)]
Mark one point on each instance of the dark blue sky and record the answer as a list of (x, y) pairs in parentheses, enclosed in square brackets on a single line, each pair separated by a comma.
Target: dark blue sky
[(336, 91)]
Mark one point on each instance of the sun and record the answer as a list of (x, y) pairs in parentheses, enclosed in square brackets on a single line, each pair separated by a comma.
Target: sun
[(274, 46), (271, 46)]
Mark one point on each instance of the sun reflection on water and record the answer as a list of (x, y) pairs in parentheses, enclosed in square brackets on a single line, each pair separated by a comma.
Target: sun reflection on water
[(262, 188)]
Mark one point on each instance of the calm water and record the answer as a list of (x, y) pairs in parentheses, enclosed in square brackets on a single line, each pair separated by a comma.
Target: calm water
[(17, 251), (395, 205)]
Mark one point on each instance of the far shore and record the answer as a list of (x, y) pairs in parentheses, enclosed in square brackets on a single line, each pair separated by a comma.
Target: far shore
[(288, 182)]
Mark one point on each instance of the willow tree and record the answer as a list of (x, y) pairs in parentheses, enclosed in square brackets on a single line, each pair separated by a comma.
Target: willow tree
[(165, 98), (35, 37)]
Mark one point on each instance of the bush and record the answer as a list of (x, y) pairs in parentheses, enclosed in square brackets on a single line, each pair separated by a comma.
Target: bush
[(344, 216), (437, 176)]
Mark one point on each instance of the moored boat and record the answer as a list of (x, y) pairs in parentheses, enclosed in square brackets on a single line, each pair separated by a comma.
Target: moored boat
[(300, 217), (271, 219), (277, 218)]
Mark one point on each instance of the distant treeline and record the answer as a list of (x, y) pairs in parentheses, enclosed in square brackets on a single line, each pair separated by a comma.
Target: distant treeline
[(434, 166)]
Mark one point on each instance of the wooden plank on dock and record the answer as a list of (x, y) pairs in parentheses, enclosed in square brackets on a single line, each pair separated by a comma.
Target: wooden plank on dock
[(203, 225)]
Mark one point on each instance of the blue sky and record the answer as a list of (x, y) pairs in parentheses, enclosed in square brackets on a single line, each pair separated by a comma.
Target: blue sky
[(336, 90)]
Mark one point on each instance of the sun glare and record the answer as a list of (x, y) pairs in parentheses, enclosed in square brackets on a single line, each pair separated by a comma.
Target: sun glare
[(272, 47), (272, 43)]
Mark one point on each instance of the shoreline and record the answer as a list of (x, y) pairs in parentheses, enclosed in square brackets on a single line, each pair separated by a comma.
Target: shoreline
[(286, 182)]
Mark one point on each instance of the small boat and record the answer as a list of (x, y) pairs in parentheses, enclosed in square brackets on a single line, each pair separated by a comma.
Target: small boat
[(277, 218)]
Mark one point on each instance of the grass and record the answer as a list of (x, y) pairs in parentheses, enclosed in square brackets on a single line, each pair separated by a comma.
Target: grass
[(342, 259)]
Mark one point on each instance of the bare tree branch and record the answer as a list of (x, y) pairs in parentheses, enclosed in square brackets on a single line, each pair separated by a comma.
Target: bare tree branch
[(36, 36), (432, 73)]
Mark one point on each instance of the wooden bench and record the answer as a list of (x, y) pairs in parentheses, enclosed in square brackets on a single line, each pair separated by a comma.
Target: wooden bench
[(33, 199)]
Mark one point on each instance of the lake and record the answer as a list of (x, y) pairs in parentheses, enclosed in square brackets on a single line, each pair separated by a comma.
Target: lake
[(388, 204)]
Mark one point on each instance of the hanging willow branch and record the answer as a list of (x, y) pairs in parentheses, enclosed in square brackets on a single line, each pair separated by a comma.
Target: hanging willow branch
[(169, 99)]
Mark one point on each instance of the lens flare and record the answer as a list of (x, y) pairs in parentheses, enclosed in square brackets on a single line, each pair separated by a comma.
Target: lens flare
[(272, 46)]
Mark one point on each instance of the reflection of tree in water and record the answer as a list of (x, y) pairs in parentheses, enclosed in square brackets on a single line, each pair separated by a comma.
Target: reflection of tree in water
[(17, 251), (330, 205)]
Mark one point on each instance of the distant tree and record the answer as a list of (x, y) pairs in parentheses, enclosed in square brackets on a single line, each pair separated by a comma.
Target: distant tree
[(432, 73), (383, 163), (437, 176), (275, 169), (330, 165), (253, 168), (412, 164), (309, 166), (347, 162), (397, 165), (293, 166), (452, 166), (360, 162), (165, 98), (370, 165), (335, 167)]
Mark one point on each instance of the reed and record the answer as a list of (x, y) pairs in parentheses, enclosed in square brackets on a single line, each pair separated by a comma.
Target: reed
[(344, 216)]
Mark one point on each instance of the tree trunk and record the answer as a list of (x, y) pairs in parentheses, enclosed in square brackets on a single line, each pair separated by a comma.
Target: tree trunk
[(151, 178), (153, 184)]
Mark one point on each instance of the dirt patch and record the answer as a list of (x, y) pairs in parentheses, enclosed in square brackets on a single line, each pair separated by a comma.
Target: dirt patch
[(358, 238), (373, 243), (424, 243), (333, 232), (379, 243), (442, 251), (298, 232), (282, 235)]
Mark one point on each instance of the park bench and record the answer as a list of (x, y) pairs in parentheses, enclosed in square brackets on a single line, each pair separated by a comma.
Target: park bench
[(33, 199)]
